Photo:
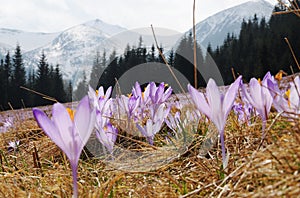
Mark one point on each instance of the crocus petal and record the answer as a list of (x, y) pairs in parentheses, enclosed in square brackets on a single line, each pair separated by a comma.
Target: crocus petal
[(256, 94), (133, 103), (294, 98), (152, 91), (84, 120), (92, 96), (141, 129), (149, 128), (103, 139), (111, 132), (100, 92), (63, 122), (107, 137), (246, 95), (137, 91), (200, 101), (146, 96), (108, 92), (159, 113), (48, 127), (167, 94), (215, 103), (274, 89), (267, 77), (159, 93), (268, 100), (230, 96)]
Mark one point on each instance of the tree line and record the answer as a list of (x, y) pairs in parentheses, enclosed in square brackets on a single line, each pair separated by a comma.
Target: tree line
[(14, 81), (260, 47), (106, 69)]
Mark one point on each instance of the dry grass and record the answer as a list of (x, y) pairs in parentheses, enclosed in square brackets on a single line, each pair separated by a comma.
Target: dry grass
[(39, 169)]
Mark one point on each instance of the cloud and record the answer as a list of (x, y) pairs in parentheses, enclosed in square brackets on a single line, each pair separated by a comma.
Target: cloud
[(57, 15)]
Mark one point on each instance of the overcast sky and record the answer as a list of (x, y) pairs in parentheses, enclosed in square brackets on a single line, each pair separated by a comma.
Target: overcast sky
[(57, 15)]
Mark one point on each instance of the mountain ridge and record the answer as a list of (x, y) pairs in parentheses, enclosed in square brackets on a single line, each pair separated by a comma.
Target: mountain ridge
[(75, 48), (229, 21)]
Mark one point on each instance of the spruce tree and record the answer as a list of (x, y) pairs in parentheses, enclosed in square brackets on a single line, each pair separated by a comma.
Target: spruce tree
[(42, 80), (7, 72), (1, 84), (96, 71), (171, 58), (69, 92), (31, 85), (82, 89), (59, 93), (18, 79)]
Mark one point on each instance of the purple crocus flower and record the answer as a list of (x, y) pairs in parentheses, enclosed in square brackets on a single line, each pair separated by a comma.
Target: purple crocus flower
[(107, 135), (174, 122), (8, 123), (144, 96), (243, 110), (216, 107), (286, 102), (149, 130), (99, 98), (132, 104), (154, 123), (158, 94), (260, 98), (129, 105), (68, 130)]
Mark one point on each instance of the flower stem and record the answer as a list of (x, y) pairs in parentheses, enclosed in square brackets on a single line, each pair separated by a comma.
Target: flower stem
[(75, 186), (223, 148)]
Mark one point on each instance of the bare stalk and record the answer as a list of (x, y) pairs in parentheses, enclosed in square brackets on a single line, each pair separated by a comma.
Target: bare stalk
[(195, 47), (165, 61)]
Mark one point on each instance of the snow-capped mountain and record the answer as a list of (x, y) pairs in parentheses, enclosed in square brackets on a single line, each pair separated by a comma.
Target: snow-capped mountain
[(27, 40), (75, 48), (214, 29), (104, 27), (4, 48)]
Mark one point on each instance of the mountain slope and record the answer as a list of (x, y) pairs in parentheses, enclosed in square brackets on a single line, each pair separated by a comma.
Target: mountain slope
[(27, 40), (4, 48), (105, 27), (214, 29), (75, 48)]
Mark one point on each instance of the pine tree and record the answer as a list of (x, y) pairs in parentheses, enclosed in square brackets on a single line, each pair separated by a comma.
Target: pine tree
[(42, 80), (104, 59), (160, 58), (7, 72), (69, 92), (59, 93), (1, 84), (31, 85), (18, 79), (97, 71), (82, 89), (171, 58), (260, 47), (51, 80), (184, 60), (112, 56), (152, 54), (209, 49)]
